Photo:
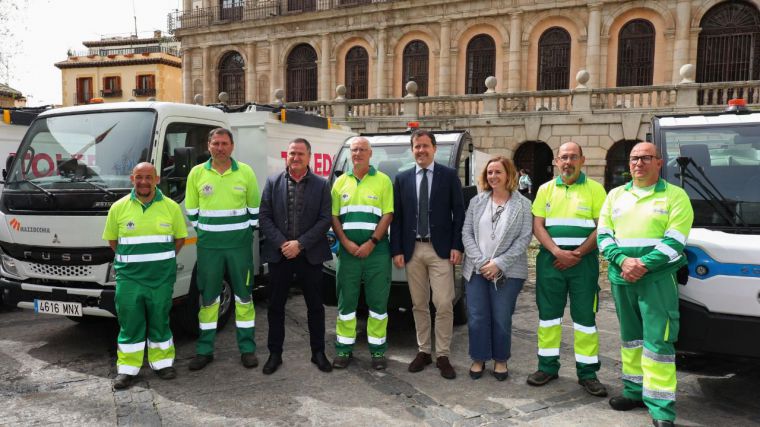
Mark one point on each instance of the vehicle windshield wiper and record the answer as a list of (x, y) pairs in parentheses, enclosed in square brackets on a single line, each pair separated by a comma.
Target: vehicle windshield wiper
[(711, 195), (26, 181), (92, 184)]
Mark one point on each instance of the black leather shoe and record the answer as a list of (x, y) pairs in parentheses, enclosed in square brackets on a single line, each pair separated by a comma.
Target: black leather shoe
[(662, 423), (123, 381), (274, 362), (249, 360), (321, 361), (200, 361), (168, 373), (540, 378), (475, 375), (621, 403), (447, 371), (593, 387), (421, 360), (379, 362), (501, 376)]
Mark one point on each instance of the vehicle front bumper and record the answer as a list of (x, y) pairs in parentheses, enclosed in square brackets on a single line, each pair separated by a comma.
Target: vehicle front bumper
[(95, 302), (702, 331)]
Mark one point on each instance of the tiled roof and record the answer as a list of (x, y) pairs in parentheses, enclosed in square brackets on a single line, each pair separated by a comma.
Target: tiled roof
[(6, 90)]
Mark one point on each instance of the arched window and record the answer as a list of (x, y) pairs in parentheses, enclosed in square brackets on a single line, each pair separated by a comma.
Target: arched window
[(302, 74), (635, 65), (231, 78), (554, 59), (729, 43), (481, 63), (416, 66), (536, 158), (357, 75)]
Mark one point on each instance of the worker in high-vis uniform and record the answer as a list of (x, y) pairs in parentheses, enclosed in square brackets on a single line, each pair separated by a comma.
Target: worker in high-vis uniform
[(642, 231), (222, 202), (146, 230), (362, 209), (565, 213)]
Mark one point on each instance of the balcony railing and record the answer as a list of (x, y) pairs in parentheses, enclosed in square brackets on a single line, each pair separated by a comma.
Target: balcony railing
[(136, 50), (110, 93), (254, 10), (144, 91)]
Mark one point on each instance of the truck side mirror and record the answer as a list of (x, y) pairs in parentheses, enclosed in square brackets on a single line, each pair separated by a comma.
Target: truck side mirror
[(183, 161)]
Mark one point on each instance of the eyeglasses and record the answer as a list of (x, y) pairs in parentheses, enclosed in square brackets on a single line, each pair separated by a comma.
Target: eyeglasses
[(568, 158), (496, 215), (357, 150), (645, 159)]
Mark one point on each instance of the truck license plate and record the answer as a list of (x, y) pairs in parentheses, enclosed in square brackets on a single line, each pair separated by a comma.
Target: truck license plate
[(58, 307)]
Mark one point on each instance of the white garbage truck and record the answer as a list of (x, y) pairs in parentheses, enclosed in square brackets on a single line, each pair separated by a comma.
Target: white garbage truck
[(74, 163), (715, 157)]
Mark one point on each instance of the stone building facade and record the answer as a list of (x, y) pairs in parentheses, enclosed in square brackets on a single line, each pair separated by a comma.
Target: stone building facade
[(629, 55)]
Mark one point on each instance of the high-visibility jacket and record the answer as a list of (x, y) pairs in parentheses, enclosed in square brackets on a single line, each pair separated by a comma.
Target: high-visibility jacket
[(652, 226), (145, 239), (361, 204), (569, 210), (223, 208)]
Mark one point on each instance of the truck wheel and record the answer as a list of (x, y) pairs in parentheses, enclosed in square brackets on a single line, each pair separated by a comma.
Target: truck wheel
[(186, 317), (460, 312)]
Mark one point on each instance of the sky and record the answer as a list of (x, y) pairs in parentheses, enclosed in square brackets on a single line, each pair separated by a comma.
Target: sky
[(45, 29)]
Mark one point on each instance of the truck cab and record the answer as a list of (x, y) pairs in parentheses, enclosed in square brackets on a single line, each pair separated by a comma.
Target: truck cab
[(391, 154), (715, 158)]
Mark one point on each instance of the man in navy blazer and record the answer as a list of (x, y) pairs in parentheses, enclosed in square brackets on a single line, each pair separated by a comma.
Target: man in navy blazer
[(294, 216), (426, 238)]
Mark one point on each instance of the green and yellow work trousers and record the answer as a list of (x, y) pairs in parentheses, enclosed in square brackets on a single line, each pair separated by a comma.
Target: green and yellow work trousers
[(140, 308), (649, 322), (581, 283), (238, 265), (375, 273)]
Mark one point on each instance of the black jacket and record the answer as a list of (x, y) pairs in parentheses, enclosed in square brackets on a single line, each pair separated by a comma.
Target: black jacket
[(315, 218), (446, 212)]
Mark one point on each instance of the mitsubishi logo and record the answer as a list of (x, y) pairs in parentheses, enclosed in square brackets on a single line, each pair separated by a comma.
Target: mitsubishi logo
[(55, 239), (15, 224)]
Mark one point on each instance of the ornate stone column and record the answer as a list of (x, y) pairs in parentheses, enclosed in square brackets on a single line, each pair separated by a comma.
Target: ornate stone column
[(681, 45), (208, 91), (592, 43), (444, 61), (187, 76), (187, 6), (324, 69), (380, 71), (515, 38), (274, 65), (250, 73)]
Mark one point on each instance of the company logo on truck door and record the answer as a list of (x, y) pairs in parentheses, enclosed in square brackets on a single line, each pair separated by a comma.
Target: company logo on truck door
[(16, 225)]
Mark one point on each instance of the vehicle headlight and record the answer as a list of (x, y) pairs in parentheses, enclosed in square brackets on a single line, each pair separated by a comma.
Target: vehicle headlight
[(332, 241), (9, 266), (111, 277)]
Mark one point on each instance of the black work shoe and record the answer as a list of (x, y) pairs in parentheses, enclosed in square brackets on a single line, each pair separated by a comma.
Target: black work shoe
[(421, 360), (200, 361), (475, 375), (540, 378), (593, 387), (447, 371), (622, 403), (274, 362), (249, 360), (662, 423), (168, 373), (342, 360), (378, 362), (123, 381), (319, 359)]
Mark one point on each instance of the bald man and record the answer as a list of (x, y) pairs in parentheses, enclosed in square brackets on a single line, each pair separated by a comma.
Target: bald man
[(146, 230)]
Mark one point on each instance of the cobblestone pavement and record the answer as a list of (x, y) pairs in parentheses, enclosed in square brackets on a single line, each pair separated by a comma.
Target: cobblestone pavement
[(54, 371)]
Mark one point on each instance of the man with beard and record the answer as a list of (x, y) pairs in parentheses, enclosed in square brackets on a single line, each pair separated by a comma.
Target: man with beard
[(565, 213), (146, 230)]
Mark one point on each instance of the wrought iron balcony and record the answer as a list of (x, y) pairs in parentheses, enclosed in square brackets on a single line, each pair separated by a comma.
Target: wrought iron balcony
[(135, 50), (144, 91), (110, 93)]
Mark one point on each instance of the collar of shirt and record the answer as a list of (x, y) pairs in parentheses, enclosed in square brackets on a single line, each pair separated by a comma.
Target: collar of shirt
[(581, 179), (207, 165), (371, 172), (157, 198), (417, 168), (659, 186), (301, 178)]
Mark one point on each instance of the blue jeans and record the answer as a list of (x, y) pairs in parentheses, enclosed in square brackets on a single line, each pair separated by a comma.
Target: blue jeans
[(490, 317)]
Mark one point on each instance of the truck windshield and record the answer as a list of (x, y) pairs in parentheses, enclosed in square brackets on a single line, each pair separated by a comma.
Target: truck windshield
[(725, 159), (392, 159), (82, 151)]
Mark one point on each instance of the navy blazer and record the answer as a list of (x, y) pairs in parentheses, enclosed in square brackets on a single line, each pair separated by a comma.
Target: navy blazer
[(316, 218), (446, 212)]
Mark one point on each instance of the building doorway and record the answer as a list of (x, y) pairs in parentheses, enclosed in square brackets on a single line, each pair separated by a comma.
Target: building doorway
[(617, 172), (536, 158)]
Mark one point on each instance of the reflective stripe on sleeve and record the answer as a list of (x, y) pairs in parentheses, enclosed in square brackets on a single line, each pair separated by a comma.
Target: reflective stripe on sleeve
[(253, 211), (605, 230), (145, 257), (676, 235), (192, 211), (667, 250), (604, 244)]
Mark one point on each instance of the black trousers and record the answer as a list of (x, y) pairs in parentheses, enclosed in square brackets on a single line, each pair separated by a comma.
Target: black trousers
[(309, 277)]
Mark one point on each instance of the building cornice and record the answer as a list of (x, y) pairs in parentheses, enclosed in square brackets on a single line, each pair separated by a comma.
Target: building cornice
[(118, 63)]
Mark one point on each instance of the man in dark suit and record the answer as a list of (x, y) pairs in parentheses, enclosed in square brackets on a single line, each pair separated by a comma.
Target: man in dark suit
[(294, 217), (428, 242)]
